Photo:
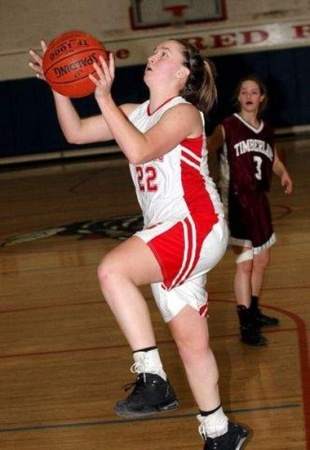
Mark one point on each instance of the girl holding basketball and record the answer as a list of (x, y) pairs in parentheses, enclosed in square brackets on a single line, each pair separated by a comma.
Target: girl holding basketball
[(184, 234)]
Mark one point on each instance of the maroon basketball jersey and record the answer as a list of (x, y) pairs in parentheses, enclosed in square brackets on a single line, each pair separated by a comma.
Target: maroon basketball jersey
[(249, 154), (246, 161)]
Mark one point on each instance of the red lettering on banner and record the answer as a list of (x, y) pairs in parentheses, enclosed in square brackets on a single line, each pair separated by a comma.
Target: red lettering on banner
[(197, 42), (302, 31), (254, 36), (233, 39), (223, 40)]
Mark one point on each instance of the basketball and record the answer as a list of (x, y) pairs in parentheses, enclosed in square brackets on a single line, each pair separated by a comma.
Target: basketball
[(69, 59)]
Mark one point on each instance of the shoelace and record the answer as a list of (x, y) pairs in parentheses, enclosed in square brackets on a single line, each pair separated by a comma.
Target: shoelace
[(202, 432), (136, 383), (138, 368), (143, 366), (135, 368), (128, 386)]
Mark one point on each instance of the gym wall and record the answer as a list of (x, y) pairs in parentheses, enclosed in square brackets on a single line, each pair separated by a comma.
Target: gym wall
[(270, 39)]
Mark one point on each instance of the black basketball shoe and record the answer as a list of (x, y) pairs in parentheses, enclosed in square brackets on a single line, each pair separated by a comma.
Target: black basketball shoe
[(151, 394), (233, 439), (265, 321), (261, 319), (250, 333)]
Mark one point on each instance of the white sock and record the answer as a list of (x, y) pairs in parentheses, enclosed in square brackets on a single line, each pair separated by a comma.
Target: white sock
[(213, 425), (149, 362)]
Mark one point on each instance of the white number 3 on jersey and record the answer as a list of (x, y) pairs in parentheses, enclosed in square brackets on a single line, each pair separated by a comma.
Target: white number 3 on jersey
[(258, 162)]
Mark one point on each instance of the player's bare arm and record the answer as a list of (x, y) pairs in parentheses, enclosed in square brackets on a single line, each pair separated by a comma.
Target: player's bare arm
[(216, 140), (174, 126), (280, 170)]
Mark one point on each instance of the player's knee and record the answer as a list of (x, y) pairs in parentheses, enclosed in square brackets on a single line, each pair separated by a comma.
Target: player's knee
[(101, 273), (261, 261), (188, 353), (244, 262), (245, 267), (106, 272), (191, 349)]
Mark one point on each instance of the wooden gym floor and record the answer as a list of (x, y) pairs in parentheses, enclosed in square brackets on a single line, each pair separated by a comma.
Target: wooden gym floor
[(63, 359)]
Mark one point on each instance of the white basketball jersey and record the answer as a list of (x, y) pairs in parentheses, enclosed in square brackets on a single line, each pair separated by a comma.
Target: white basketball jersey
[(175, 185)]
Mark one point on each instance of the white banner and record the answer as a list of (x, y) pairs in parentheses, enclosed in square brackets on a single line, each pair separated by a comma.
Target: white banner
[(216, 41)]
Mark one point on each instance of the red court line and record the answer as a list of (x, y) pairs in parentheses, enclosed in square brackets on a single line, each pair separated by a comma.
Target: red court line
[(304, 366), (303, 349)]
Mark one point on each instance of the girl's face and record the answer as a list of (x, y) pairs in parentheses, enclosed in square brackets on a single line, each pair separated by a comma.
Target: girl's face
[(165, 65), (250, 96)]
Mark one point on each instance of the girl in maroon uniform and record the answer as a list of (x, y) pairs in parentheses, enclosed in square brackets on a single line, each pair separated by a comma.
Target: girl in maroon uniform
[(248, 157)]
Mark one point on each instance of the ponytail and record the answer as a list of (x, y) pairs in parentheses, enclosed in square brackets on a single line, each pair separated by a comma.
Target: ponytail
[(200, 88)]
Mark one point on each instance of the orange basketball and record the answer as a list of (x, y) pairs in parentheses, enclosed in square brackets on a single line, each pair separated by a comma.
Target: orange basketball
[(68, 61)]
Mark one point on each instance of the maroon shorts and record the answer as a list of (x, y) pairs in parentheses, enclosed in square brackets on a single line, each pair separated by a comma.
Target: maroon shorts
[(249, 218)]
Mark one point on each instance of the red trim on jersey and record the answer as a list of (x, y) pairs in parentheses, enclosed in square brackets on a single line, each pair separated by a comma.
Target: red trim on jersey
[(203, 311), (192, 143), (160, 106), (175, 253), (189, 255), (178, 249)]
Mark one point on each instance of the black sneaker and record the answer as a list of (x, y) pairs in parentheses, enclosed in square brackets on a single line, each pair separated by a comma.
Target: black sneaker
[(249, 331), (251, 335), (265, 321), (151, 394), (260, 319), (233, 439)]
